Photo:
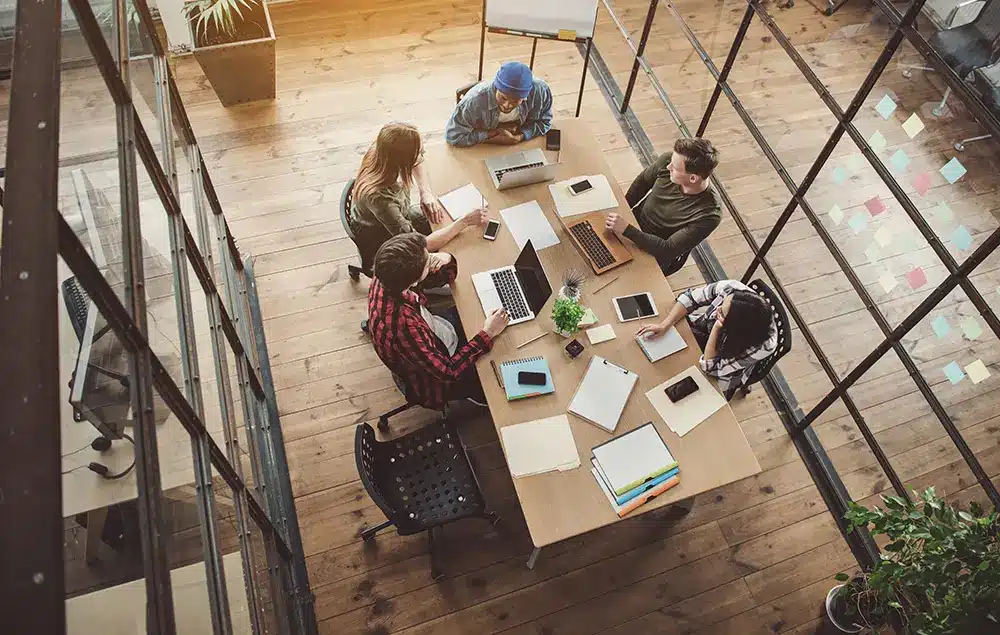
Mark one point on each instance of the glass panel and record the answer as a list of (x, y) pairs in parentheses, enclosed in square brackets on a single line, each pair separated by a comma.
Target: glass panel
[(145, 92), (261, 580), (187, 195), (242, 449), (74, 45), (206, 361), (232, 559)]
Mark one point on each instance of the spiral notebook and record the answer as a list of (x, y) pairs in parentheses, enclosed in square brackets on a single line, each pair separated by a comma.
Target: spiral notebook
[(516, 390)]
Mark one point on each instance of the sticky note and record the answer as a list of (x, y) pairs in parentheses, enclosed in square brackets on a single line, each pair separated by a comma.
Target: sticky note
[(839, 175), (877, 142), (873, 254), (953, 170), (566, 34), (943, 213), (858, 222), (941, 326), (589, 317), (854, 163), (883, 236), (888, 281), (601, 334), (886, 106), (875, 205), (913, 126), (836, 214), (916, 278), (899, 160), (953, 372), (977, 371), (971, 328), (961, 237), (922, 183)]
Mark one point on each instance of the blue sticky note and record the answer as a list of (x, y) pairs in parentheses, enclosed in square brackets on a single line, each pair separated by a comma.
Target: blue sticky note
[(961, 237), (858, 222), (886, 106), (899, 160), (971, 327), (839, 175), (941, 326), (953, 372), (953, 170)]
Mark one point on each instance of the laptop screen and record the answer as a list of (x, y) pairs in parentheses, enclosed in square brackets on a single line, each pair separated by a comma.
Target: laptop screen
[(532, 277)]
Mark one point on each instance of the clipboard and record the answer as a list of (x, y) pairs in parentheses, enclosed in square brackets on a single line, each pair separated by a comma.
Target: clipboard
[(602, 394)]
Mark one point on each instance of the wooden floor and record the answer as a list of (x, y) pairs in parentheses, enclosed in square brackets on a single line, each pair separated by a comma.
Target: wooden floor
[(754, 557)]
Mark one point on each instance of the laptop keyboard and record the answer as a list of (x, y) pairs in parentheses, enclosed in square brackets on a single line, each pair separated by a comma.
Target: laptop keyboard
[(510, 295), (591, 243), (516, 168)]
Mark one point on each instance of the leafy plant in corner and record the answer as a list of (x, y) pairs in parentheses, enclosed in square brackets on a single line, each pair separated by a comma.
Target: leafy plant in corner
[(567, 314), (220, 15), (939, 574)]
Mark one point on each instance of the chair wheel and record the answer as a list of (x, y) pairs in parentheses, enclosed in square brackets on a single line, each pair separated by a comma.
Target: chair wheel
[(383, 424), (437, 575), (364, 326)]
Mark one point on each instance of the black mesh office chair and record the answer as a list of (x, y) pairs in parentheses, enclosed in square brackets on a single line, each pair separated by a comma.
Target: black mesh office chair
[(354, 272), (420, 481), (784, 340)]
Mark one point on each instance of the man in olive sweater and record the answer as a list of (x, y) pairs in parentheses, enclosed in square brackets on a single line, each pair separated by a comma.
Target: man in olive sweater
[(673, 204)]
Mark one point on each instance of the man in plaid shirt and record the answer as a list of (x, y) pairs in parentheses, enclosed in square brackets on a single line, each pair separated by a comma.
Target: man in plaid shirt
[(423, 349)]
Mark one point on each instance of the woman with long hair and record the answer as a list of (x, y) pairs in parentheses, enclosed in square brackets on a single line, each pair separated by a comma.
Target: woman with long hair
[(733, 325), (381, 205)]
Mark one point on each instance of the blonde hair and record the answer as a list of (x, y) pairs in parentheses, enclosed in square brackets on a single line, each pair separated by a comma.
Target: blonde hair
[(392, 157)]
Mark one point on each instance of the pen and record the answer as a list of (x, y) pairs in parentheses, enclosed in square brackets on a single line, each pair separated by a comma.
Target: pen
[(496, 373), (535, 338), (607, 284)]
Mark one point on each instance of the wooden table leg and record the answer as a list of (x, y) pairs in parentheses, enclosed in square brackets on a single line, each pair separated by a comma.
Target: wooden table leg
[(533, 558), (96, 518)]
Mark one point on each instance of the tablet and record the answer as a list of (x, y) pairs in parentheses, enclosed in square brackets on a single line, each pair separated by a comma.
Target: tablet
[(634, 307)]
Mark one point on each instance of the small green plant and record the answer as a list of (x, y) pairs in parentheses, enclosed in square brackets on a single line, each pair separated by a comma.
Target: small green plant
[(939, 574), (567, 314), (219, 14)]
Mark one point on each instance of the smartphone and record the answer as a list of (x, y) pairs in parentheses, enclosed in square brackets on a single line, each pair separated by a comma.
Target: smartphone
[(492, 229), (531, 379), (634, 307), (580, 187), (683, 388), (553, 140)]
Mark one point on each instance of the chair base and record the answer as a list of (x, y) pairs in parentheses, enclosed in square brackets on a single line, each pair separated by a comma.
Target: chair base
[(369, 534)]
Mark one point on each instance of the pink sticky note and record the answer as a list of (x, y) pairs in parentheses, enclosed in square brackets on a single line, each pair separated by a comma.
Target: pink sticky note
[(875, 205), (922, 183), (916, 277)]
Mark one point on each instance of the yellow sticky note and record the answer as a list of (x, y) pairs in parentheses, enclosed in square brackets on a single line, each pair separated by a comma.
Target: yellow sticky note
[(977, 371), (601, 334), (566, 34)]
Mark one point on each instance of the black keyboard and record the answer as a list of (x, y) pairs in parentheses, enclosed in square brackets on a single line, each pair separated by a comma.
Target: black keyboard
[(510, 294), (592, 244), (516, 168)]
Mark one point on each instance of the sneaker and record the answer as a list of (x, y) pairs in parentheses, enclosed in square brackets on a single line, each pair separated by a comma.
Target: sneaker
[(481, 404)]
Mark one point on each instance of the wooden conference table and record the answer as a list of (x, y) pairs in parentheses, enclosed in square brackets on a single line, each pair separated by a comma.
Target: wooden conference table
[(561, 505)]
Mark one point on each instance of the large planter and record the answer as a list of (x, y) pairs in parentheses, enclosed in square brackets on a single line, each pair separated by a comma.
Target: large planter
[(240, 67)]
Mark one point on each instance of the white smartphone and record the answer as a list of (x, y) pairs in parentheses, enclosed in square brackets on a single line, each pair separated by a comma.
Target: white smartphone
[(634, 307), (580, 187), (492, 229)]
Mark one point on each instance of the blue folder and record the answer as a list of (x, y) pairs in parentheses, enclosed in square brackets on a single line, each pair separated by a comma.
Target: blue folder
[(516, 390), (644, 487)]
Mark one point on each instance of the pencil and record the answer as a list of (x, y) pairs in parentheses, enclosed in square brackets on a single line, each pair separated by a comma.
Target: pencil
[(496, 373), (537, 337), (606, 284)]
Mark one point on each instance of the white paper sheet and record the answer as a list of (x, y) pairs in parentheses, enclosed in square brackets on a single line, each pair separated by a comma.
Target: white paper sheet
[(527, 222), (683, 416), (536, 447), (601, 197), (459, 203)]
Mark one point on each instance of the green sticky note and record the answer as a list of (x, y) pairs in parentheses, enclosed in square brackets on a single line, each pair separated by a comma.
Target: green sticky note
[(941, 326), (962, 238), (886, 106), (854, 163), (971, 327), (858, 222), (953, 170), (877, 142), (839, 175), (943, 213)]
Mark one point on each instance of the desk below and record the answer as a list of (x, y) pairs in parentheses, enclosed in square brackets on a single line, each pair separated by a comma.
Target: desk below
[(561, 505)]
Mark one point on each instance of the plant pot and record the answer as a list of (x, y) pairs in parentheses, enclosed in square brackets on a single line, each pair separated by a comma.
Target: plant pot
[(241, 66), (835, 612), (566, 334)]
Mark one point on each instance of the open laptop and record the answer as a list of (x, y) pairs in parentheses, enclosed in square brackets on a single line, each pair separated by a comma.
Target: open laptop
[(522, 289), (520, 168), (599, 247)]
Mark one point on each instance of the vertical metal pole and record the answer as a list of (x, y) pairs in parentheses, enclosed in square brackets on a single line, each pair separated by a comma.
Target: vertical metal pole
[(583, 77), (482, 42), (650, 14), (726, 68), (534, 45)]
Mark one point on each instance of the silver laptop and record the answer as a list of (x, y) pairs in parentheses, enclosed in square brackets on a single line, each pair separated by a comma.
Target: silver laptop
[(520, 168), (521, 289)]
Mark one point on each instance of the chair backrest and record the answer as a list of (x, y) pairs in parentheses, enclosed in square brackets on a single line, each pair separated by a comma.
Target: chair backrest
[(77, 303), (366, 457), (346, 199), (460, 92), (781, 323)]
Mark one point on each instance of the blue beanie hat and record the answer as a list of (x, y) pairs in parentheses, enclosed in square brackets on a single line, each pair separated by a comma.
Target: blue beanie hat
[(514, 78)]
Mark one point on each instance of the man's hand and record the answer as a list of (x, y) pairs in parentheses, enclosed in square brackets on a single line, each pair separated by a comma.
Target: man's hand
[(496, 322), (616, 223), (475, 218), (652, 330), (431, 207), (505, 137), (438, 260)]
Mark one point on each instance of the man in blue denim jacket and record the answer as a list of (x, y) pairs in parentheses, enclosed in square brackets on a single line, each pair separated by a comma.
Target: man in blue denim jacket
[(512, 108)]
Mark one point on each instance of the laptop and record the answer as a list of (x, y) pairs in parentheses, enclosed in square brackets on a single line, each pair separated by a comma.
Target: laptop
[(599, 247), (521, 289), (520, 168)]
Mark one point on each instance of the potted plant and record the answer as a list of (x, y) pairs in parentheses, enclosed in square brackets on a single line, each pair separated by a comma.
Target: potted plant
[(939, 574), (234, 45), (572, 286), (566, 314)]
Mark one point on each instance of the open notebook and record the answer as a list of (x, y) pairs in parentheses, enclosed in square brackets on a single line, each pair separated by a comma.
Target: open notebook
[(536, 447), (656, 348), (602, 394)]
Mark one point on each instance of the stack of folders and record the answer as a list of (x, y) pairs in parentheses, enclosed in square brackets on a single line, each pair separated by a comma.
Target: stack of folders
[(634, 468), (541, 446)]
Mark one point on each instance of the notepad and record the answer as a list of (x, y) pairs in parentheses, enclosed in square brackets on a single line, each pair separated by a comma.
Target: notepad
[(602, 394), (516, 390), (599, 198), (686, 414), (600, 334), (541, 446), (638, 501), (633, 458), (461, 202), (656, 348), (527, 222)]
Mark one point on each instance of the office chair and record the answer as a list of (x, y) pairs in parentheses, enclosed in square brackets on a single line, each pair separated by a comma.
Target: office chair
[(761, 369), (353, 271), (460, 92), (420, 481)]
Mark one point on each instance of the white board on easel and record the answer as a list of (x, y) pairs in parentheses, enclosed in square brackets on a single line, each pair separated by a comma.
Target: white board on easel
[(546, 17)]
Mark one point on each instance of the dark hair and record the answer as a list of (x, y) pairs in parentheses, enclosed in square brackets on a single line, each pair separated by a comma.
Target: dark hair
[(400, 261), (700, 156), (747, 324)]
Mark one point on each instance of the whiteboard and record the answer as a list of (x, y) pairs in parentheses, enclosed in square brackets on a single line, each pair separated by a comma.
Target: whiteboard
[(546, 17)]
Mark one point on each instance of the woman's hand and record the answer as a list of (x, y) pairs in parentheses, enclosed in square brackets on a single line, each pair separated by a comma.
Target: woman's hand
[(475, 218), (431, 207), (653, 330)]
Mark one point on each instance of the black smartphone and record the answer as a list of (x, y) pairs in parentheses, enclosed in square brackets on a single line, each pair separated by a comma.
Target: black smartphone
[(580, 187), (553, 140), (680, 390), (492, 229), (531, 379)]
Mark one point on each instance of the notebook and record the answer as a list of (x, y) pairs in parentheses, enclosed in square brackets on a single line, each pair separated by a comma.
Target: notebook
[(600, 197), (516, 390), (602, 394), (683, 416), (634, 458), (641, 488), (459, 203), (656, 348), (536, 447), (638, 501)]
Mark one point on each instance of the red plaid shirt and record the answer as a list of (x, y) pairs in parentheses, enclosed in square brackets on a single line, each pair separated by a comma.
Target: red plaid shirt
[(408, 346)]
